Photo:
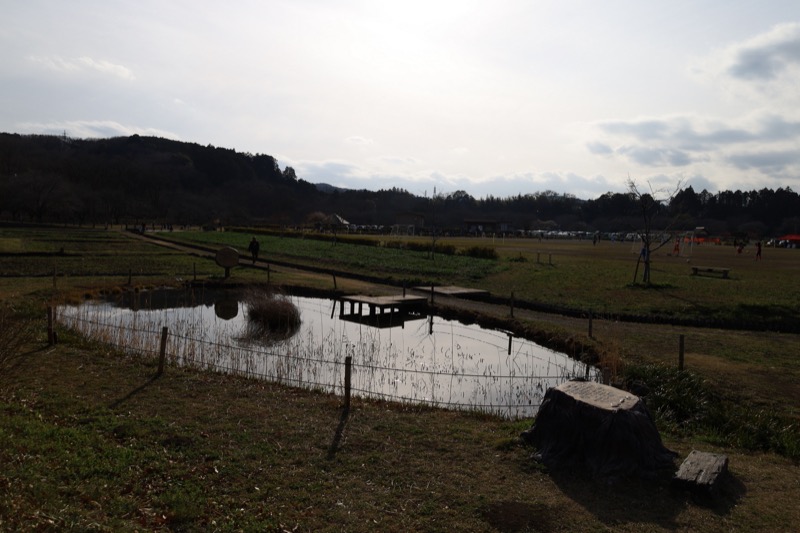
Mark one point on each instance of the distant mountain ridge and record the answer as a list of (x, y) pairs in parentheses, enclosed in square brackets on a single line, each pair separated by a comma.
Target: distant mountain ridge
[(328, 188)]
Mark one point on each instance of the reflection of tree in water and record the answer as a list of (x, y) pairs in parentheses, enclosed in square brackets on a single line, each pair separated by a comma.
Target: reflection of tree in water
[(226, 309), (270, 317)]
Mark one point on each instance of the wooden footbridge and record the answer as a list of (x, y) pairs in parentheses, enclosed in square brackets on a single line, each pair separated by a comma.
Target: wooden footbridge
[(394, 310), (382, 311)]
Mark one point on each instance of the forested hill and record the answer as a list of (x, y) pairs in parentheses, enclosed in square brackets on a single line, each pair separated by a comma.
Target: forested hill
[(142, 178), (138, 179)]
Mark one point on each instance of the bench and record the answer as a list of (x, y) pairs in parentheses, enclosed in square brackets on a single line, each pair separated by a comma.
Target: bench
[(710, 270)]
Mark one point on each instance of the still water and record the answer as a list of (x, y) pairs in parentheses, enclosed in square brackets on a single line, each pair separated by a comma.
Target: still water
[(405, 358)]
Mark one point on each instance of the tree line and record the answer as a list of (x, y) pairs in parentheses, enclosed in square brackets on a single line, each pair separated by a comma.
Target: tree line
[(137, 179)]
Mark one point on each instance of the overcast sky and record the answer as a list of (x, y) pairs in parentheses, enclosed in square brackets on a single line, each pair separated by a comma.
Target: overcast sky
[(491, 97)]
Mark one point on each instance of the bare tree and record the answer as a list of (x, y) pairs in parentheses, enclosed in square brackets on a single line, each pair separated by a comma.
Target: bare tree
[(433, 228), (650, 205)]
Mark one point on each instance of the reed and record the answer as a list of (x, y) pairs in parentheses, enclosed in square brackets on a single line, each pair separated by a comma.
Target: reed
[(271, 316)]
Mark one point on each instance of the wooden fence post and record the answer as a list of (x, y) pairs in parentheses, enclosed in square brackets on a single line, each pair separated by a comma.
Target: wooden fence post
[(163, 352), (510, 337), (511, 303), (680, 352), (432, 294), (590, 325), (348, 365), (50, 331), (334, 281)]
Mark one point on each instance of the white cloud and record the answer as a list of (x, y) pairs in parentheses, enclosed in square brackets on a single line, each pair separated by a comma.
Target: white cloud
[(59, 64), (766, 56), (762, 71), (106, 67), (90, 129), (360, 141), (764, 143), (398, 160)]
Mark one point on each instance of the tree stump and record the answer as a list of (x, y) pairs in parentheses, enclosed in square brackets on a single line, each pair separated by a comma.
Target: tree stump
[(605, 430)]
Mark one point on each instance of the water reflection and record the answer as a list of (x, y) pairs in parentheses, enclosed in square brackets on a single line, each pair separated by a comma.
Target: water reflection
[(226, 309), (397, 356)]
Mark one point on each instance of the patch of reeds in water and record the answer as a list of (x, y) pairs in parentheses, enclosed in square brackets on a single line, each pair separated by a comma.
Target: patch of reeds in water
[(270, 317)]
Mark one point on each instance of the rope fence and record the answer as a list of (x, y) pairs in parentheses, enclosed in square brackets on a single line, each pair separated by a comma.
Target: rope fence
[(339, 367)]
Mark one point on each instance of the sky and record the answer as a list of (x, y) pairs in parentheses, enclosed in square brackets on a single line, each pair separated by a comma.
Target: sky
[(492, 97)]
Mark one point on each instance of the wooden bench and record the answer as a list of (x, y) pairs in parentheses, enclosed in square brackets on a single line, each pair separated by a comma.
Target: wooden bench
[(710, 270)]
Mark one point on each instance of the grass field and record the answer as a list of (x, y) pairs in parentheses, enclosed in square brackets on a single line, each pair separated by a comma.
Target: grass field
[(574, 274), (91, 440)]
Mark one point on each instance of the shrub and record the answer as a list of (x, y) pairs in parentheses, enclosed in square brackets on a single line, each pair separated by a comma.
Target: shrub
[(683, 403), (425, 246), (480, 252)]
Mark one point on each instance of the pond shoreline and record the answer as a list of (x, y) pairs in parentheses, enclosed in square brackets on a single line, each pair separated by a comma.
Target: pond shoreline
[(468, 310)]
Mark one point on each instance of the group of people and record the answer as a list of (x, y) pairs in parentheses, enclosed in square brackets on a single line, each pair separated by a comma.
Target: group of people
[(740, 247)]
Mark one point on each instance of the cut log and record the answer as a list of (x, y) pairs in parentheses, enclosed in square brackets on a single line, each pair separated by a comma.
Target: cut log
[(605, 430), (702, 473)]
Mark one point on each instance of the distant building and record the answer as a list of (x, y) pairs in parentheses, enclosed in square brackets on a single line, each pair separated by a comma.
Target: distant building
[(336, 224)]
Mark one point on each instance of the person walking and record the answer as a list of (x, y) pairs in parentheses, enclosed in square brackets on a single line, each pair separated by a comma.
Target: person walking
[(253, 249)]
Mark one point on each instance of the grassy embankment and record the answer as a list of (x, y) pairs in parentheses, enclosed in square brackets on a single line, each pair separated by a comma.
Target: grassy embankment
[(91, 441)]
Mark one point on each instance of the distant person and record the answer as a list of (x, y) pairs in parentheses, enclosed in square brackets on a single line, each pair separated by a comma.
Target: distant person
[(758, 251), (253, 249)]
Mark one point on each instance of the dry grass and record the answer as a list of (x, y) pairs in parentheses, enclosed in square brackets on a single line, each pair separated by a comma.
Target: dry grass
[(91, 440), (16, 333)]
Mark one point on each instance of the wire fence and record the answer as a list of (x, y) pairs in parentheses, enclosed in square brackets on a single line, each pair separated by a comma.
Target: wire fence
[(495, 379)]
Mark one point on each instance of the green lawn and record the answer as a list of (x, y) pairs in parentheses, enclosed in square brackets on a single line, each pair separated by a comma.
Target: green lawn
[(573, 274)]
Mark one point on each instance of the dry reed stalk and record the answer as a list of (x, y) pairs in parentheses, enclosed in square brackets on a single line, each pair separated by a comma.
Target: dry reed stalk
[(271, 317)]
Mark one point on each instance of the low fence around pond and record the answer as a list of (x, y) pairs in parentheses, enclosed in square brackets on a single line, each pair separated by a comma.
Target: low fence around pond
[(345, 369)]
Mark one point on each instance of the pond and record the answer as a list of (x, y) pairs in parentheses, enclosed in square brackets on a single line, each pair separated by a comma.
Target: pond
[(409, 357)]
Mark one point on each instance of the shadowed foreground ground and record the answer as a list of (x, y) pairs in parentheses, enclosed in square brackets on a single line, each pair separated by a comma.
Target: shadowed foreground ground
[(92, 441)]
